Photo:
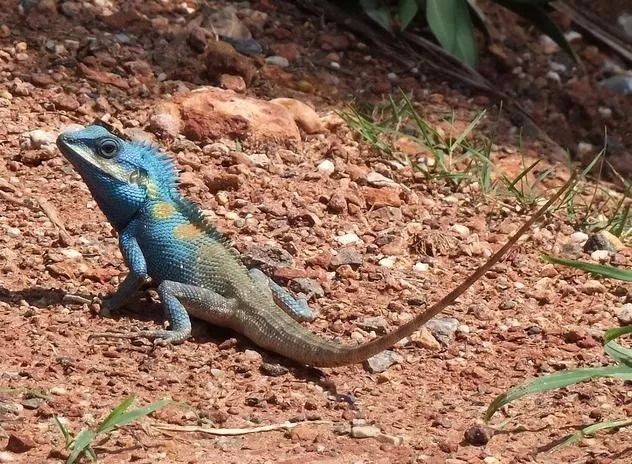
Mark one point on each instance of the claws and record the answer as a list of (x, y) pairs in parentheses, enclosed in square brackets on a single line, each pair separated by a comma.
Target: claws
[(157, 337)]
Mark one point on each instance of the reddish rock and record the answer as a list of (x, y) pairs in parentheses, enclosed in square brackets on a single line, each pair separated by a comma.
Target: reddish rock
[(166, 122), (234, 83), (306, 118), (20, 443), (288, 50), (212, 113), (63, 101), (103, 77), (330, 42), (216, 181), (379, 197), (222, 58)]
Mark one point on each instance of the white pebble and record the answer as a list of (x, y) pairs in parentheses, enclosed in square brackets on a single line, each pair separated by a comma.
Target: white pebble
[(326, 167), (421, 267), (348, 239)]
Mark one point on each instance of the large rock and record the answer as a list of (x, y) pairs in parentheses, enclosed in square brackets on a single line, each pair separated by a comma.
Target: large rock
[(211, 113)]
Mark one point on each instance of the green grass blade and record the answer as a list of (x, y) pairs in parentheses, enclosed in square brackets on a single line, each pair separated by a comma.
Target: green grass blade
[(130, 416), (81, 445), (600, 269), (591, 430), (64, 431), (621, 354), (557, 380), (112, 418), (468, 130)]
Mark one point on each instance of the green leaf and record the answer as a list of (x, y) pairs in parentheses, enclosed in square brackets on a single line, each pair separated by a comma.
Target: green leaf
[(557, 380), (81, 445), (451, 24), (64, 431), (591, 430), (378, 12), (600, 269), (135, 414), (119, 417), (111, 419), (407, 11), (618, 352), (538, 17)]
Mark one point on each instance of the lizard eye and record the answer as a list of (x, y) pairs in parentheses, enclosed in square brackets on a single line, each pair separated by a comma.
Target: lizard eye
[(108, 148)]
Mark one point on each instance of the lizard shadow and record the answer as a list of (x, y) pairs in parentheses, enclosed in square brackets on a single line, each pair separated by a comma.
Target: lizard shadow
[(40, 297), (144, 309)]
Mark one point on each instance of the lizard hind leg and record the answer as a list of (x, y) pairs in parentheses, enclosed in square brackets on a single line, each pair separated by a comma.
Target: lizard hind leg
[(200, 302), (297, 308)]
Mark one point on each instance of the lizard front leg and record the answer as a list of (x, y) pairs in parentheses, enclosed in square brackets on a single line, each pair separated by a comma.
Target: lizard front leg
[(137, 276), (200, 302)]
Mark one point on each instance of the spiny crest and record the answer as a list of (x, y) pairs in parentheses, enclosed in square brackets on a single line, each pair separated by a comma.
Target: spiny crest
[(194, 215), (159, 165)]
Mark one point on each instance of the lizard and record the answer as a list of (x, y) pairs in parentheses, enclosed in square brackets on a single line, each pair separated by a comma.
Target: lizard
[(165, 240)]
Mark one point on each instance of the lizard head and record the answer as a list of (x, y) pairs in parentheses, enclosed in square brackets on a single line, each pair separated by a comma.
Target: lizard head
[(121, 175)]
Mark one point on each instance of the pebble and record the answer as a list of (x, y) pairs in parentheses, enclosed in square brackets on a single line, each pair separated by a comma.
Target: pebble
[(365, 431), (279, 61), (600, 255), (326, 167), (13, 232), (346, 256), (252, 356), (273, 370), (19, 443), (603, 240), (461, 230), (421, 267), (378, 180), (624, 314), (260, 160), (424, 338), (592, 286), (308, 286), (443, 329), (58, 391), (6, 456), (348, 239), (381, 361), (387, 262), (578, 237)]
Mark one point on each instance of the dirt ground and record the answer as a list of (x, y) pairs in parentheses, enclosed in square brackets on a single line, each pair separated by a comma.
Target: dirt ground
[(523, 319)]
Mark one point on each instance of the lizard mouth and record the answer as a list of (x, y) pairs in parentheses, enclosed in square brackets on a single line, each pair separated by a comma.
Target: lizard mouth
[(76, 149)]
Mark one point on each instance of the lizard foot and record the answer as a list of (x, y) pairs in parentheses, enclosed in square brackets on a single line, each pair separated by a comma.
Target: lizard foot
[(159, 337)]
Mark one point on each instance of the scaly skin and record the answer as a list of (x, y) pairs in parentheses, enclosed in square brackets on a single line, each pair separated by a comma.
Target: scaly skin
[(165, 239)]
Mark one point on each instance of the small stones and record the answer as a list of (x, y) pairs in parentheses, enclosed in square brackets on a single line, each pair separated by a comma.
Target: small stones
[(424, 339), (600, 256), (421, 267), (381, 361), (603, 240), (443, 329), (40, 138), (19, 443), (326, 167), (337, 203), (378, 180), (388, 262), (222, 58), (479, 434), (217, 181), (279, 61), (307, 286), (592, 287), (374, 324), (273, 370), (348, 239), (347, 256), (252, 356), (624, 314), (460, 229), (380, 197), (365, 431)]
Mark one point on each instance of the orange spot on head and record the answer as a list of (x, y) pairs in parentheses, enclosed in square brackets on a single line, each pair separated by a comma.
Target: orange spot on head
[(187, 232), (163, 210)]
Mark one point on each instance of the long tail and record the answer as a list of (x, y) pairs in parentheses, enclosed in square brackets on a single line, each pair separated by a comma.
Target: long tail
[(290, 339)]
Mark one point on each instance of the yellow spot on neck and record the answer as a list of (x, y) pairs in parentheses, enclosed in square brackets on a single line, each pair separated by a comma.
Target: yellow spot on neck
[(187, 232), (163, 210)]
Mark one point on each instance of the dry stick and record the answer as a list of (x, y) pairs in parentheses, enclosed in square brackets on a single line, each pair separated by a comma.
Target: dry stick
[(51, 212), (238, 431)]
